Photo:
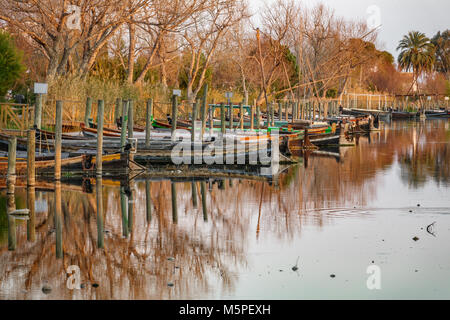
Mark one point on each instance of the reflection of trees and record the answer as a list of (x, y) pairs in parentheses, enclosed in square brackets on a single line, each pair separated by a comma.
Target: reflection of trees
[(207, 249), (424, 154), (135, 267)]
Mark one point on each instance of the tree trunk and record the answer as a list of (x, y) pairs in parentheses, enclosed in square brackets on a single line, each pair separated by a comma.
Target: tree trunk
[(131, 52)]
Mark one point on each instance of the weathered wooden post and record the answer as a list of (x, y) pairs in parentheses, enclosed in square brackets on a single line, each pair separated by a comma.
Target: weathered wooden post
[(31, 222), (148, 197), (252, 117), (230, 114), (87, 112), (99, 160), (241, 115), (194, 194), (194, 119), (123, 208), (100, 223), (38, 111), (280, 112), (211, 110), (12, 147), (123, 131), (130, 119), (174, 116), (272, 110), (203, 192), (203, 110), (148, 122), (31, 152), (174, 202), (58, 220), (117, 110), (58, 139), (258, 117), (222, 117)]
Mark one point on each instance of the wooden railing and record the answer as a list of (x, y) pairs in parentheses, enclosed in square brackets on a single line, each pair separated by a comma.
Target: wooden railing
[(16, 116)]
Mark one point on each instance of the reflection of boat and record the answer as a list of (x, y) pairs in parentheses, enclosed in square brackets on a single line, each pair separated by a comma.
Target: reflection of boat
[(403, 115)]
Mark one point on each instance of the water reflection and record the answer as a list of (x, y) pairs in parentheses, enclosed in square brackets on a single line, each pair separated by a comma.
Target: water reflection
[(148, 238)]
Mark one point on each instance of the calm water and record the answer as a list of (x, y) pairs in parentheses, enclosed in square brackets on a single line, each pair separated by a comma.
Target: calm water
[(336, 215)]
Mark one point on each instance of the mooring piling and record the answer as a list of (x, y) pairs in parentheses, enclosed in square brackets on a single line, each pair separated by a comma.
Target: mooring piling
[(117, 110), (174, 116), (252, 117), (222, 118), (258, 117), (148, 120), (123, 131), (58, 139), (87, 113), (31, 155), (11, 174), (130, 119), (241, 116), (203, 111), (99, 160), (194, 119), (38, 111)]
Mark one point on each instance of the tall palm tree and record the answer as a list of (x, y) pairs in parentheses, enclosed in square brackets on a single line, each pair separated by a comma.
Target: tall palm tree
[(417, 54)]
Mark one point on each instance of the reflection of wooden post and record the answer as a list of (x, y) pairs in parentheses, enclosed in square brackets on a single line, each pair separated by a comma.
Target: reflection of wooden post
[(194, 194), (130, 210), (123, 132), (31, 152), (10, 207), (174, 116), (31, 224), (148, 120), (58, 220), (87, 112), (58, 139), (203, 192), (174, 203), (123, 208), (100, 223), (148, 197), (38, 111), (99, 164)]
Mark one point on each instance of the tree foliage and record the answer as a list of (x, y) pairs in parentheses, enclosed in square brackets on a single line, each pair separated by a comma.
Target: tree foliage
[(11, 67)]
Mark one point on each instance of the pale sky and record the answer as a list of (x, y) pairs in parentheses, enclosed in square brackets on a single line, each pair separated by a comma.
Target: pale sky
[(397, 17)]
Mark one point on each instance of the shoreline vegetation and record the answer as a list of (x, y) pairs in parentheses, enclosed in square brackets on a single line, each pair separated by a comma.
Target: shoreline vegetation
[(146, 48)]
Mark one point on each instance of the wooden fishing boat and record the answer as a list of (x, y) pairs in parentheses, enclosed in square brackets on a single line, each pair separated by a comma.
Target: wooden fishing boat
[(83, 162), (437, 113)]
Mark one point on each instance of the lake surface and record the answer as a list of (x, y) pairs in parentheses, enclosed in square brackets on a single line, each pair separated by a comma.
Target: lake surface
[(332, 216)]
